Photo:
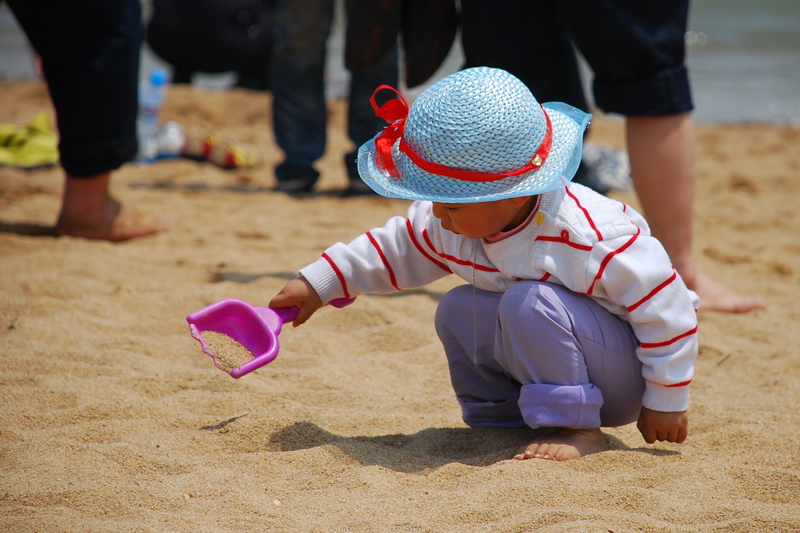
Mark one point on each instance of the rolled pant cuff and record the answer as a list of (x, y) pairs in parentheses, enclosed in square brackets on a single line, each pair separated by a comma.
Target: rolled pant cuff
[(492, 415), (567, 406)]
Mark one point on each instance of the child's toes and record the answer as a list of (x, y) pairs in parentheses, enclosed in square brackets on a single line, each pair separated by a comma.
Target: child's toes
[(528, 452), (537, 450), (565, 453), (546, 451)]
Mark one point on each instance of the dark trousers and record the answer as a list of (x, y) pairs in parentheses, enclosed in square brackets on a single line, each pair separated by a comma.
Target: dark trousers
[(90, 56), (635, 49)]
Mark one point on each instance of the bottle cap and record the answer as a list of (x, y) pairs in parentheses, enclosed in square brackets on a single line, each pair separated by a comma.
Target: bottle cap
[(158, 77)]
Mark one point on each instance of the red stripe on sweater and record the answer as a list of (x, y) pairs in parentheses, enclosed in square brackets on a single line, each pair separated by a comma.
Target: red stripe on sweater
[(453, 258), (607, 259), (338, 274), (377, 246), (586, 213), (671, 341), (681, 384), (459, 261), (419, 247), (655, 291), (564, 239)]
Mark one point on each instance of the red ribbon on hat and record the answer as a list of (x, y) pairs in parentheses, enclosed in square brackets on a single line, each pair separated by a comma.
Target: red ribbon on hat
[(395, 112)]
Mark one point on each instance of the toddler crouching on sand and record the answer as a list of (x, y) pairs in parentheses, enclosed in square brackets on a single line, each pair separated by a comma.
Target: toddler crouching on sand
[(573, 317)]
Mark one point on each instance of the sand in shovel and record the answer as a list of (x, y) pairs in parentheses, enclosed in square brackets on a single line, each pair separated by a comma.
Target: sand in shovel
[(229, 353)]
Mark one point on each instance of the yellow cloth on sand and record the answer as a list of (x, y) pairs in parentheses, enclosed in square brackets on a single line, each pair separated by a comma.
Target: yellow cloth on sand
[(30, 146)]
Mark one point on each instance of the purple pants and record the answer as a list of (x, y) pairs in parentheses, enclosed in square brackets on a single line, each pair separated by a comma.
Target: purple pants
[(539, 355)]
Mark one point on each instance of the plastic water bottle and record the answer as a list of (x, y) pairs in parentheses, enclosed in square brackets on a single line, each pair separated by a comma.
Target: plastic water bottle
[(170, 140), (151, 98)]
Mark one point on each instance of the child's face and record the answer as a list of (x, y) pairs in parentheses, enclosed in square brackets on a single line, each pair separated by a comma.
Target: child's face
[(483, 219)]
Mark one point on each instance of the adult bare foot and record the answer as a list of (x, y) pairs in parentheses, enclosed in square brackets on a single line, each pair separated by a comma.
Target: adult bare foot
[(563, 444), (90, 212), (118, 224), (714, 296)]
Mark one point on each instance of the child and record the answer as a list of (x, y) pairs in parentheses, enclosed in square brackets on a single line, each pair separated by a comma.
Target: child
[(573, 318)]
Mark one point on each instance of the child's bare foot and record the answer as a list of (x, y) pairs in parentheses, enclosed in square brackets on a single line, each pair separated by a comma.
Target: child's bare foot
[(714, 296), (563, 444)]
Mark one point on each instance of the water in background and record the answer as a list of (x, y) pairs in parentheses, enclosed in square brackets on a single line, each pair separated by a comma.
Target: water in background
[(744, 60), (743, 56)]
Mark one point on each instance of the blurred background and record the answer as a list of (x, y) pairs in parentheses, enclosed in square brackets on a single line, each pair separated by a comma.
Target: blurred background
[(743, 56)]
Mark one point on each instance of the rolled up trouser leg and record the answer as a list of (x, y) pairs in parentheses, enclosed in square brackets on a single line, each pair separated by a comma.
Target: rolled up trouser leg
[(575, 361)]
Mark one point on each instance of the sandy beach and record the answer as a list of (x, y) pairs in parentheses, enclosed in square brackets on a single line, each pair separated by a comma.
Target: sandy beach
[(113, 419)]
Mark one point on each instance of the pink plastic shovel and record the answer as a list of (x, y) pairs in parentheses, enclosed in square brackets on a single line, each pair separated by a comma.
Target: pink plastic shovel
[(254, 327)]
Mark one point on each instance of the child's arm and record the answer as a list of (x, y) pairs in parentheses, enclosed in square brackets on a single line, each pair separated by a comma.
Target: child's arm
[(658, 425), (301, 294), (400, 255), (635, 272)]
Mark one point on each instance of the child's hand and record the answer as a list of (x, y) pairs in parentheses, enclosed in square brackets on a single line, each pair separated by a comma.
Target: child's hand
[(656, 425), (301, 294)]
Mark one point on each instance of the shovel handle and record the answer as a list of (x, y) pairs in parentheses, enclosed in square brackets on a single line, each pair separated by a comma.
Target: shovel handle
[(287, 314)]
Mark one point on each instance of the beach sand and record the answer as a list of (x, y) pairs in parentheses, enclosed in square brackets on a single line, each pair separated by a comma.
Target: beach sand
[(113, 419)]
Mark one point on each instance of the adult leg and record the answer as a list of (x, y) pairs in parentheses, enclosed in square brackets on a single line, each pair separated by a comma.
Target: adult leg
[(298, 89), (637, 53), (89, 211), (90, 57), (362, 123), (662, 156)]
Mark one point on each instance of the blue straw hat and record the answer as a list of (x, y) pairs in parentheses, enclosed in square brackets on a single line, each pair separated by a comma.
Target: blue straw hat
[(478, 135)]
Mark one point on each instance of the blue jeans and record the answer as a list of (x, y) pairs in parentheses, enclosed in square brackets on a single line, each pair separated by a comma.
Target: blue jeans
[(299, 109)]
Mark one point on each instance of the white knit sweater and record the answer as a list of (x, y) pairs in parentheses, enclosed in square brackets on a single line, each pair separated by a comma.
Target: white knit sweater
[(579, 239)]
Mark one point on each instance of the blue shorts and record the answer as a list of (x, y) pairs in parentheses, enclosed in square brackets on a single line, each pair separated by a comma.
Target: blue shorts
[(635, 49)]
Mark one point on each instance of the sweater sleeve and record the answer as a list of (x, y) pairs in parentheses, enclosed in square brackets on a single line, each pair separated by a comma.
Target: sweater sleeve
[(635, 272), (383, 260)]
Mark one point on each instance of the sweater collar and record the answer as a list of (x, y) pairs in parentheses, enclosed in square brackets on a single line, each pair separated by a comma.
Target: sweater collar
[(499, 236)]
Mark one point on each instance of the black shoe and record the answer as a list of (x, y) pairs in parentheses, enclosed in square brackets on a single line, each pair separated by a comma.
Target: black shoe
[(296, 185)]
